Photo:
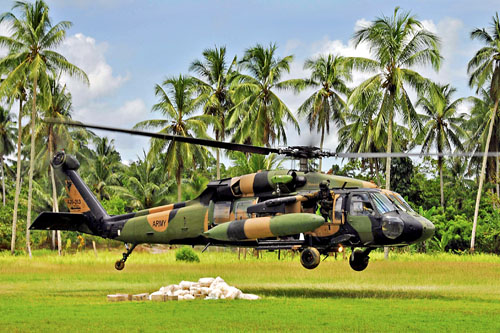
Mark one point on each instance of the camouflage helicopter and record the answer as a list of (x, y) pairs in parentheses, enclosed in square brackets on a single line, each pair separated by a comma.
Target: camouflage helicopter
[(267, 210)]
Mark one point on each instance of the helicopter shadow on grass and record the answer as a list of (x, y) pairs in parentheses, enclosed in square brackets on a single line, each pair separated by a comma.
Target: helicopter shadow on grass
[(304, 292)]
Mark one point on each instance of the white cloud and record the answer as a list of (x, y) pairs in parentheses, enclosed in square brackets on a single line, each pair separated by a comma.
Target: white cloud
[(95, 104), (318, 48), (292, 44), (124, 116), (338, 47), (4, 31), (327, 46), (128, 114), (450, 31), (361, 23), (84, 52)]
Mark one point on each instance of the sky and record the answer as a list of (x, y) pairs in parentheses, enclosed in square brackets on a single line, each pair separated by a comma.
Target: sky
[(127, 47)]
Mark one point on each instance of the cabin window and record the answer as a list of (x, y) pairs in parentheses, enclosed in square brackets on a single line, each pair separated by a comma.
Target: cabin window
[(236, 189), (222, 209), (338, 208), (241, 209)]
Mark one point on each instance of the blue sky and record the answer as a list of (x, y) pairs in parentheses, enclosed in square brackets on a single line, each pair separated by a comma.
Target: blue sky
[(128, 46)]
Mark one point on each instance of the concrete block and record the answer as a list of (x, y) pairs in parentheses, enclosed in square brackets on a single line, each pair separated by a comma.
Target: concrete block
[(140, 297)]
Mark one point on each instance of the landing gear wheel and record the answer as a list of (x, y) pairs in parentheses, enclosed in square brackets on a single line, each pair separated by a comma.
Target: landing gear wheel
[(359, 260), (310, 258), (119, 264)]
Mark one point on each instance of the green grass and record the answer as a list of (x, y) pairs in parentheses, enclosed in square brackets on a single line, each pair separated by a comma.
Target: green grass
[(407, 293)]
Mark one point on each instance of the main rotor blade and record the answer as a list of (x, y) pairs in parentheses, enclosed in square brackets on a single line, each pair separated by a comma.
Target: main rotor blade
[(385, 155), (204, 142), (295, 152)]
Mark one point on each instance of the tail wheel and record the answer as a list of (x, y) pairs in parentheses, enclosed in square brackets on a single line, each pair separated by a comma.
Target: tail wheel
[(310, 258), (119, 264), (358, 260)]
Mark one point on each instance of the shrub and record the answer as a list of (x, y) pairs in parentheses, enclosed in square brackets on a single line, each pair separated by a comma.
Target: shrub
[(186, 254)]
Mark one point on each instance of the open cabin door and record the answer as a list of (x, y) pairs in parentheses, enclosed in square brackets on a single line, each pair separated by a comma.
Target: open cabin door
[(338, 218)]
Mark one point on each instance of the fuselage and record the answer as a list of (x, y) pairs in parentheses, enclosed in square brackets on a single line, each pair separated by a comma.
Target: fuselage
[(227, 201)]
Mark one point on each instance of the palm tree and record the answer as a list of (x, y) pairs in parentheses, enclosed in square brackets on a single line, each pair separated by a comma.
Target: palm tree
[(365, 132), (443, 125), (329, 75), (458, 179), (478, 124), (195, 185), (147, 183), (17, 91), (7, 136), (259, 114), (252, 163), (177, 102), (52, 136), (31, 48), (397, 43), (484, 69), (217, 76), (104, 166)]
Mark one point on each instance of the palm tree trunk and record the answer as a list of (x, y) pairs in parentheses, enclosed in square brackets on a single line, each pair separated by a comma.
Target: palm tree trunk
[(321, 145), (498, 177), (377, 171), (3, 181), (18, 179), (55, 203), (178, 178), (372, 176), (440, 167), (32, 166), (388, 159), (388, 151), (218, 163), (481, 177), (218, 155)]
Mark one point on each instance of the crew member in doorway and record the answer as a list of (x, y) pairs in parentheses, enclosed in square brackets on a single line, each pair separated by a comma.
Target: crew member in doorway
[(324, 197)]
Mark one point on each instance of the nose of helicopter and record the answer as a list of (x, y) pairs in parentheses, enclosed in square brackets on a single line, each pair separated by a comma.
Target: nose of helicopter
[(428, 229)]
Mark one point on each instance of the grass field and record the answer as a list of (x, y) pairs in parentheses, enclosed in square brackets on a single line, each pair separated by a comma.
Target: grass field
[(425, 293)]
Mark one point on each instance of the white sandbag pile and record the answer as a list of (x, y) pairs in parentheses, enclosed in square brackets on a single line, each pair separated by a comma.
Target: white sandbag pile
[(205, 288)]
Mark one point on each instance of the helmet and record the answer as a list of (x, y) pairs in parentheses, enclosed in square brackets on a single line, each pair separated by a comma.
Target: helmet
[(324, 185)]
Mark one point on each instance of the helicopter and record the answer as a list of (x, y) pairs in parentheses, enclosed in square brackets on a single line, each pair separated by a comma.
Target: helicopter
[(267, 210)]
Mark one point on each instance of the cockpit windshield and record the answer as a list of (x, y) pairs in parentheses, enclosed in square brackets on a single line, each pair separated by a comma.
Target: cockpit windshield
[(403, 201), (396, 202), (382, 203)]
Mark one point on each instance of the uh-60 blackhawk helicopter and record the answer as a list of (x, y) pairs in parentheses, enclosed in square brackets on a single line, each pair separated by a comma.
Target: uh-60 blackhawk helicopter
[(267, 210)]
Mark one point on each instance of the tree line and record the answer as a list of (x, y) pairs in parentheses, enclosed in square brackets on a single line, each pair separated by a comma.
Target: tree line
[(237, 99)]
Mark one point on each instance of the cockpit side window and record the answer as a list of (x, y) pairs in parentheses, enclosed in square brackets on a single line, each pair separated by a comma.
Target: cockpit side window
[(360, 206), (397, 203), (382, 203), (403, 201)]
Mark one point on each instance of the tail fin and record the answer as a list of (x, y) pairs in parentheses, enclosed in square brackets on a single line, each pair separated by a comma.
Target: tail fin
[(86, 212), (80, 197)]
